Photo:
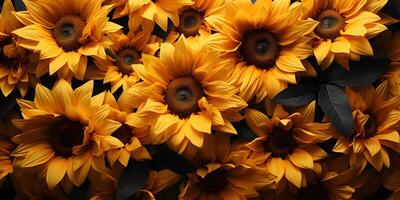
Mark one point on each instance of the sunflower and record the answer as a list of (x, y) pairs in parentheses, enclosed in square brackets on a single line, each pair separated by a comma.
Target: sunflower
[(130, 136), (344, 28), (288, 143), (223, 173), (181, 98), (197, 21), (125, 51), (389, 43), (148, 12), (104, 185), (13, 59), (376, 124), (65, 33), (64, 134), (267, 42)]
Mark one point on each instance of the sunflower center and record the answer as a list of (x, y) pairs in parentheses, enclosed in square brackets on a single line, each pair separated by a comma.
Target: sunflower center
[(127, 57), (65, 135), (315, 192), (68, 31), (182, 95), (280, 143), (330, 24), (213, 182), (190, 22), (260, 48), (370, 127), (123, 134)]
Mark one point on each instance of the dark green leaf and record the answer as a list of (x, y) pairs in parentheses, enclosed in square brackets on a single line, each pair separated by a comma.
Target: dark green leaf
[(244, 130), (361, 73), (334, 102), (132, 179), (81, 192), (296, 95), (164, 158)]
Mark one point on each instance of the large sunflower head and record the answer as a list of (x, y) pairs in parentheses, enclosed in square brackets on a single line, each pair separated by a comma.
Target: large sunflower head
[(376, 123), (125, 51), (197, 21), (148, 12), (223, 173), (13, 59), (267, 42), (288, 143), (65, 33), (344, 28), (64, 134), (181, 95)]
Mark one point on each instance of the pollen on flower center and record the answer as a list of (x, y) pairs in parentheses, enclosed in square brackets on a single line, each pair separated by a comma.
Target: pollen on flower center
[(182, 96), (65, 135), (213, 182), (190, 22), (260, 48), (330, 24), (317, 192), (280, 143), (123, 133), (127, 57), (68, 31)]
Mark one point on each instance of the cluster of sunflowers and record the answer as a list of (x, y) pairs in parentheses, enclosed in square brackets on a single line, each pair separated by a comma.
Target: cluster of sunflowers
[(200, 99)]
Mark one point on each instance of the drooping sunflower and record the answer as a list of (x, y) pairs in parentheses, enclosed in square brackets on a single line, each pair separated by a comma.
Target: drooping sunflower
[(267, 42), (376, 123), (344, 28), (125, 51), (288, 143), (148, 12), (197, 21), (223, 173), (104, 185), (63, 134), (65, 33), (184, 96), (13, 59), (389, 43), (131, 136)]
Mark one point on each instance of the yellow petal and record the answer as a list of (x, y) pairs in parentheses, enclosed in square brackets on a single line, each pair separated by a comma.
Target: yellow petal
[(301, 159), (201, 122), (164, 122), (322, 50), (341, 45), (57, 63), (360, 45), (293, 174), (55, 172), (289, 63)]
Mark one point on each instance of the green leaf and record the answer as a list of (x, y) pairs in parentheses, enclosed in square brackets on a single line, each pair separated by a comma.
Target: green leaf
[(132, 179)]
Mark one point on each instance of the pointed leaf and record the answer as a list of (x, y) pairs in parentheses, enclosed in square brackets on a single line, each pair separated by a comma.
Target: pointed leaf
[(334, 102), (296, 95), (132, 179)]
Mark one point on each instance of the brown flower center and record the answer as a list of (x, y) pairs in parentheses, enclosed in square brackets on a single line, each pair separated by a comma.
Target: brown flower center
[(65, 135), (260, 48), (68, 31), (280, 143), (182, 96), (6, 61), (330, 24), (213, 182), (123, 134), (127, 57), (370, 127), (315, 192), (190, 22)]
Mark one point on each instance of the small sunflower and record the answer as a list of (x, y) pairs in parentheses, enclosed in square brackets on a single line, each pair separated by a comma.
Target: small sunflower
[(197, 21), (344, 28), (185, 95), (376, 124), (130, 136), (224, 173), (13, 59), (64, 134), (288, 142), (267, 42), (389, 43), (154, 11), (65, 33)]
